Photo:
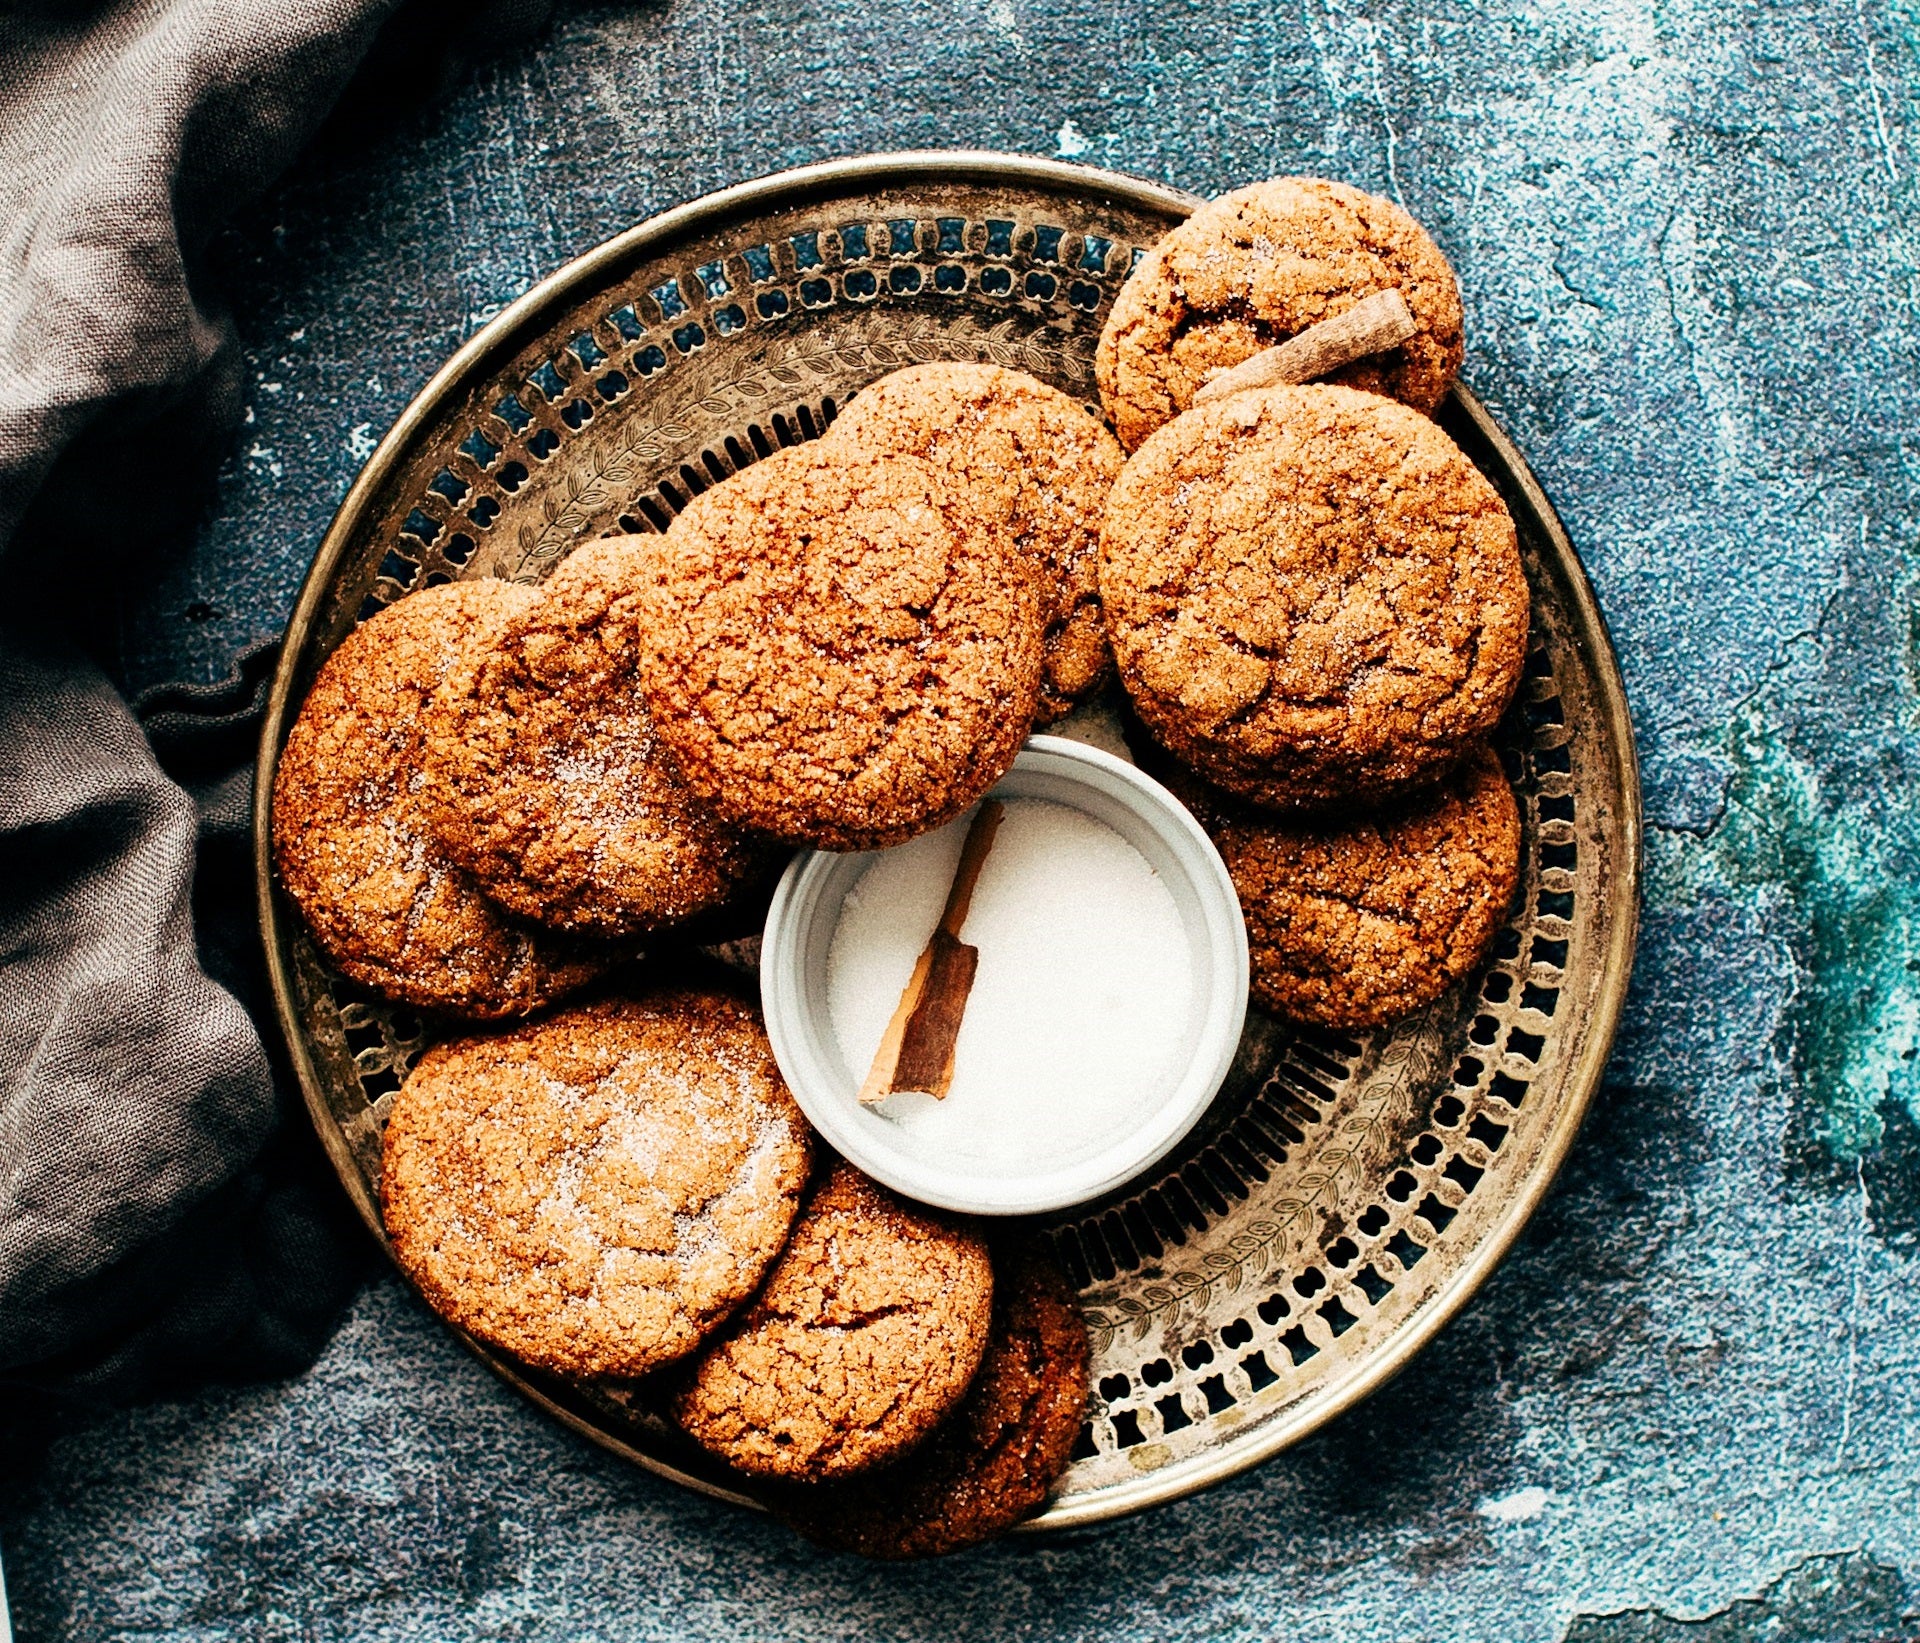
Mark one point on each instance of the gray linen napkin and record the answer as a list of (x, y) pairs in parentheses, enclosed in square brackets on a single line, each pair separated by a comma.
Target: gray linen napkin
[(163, 1212)]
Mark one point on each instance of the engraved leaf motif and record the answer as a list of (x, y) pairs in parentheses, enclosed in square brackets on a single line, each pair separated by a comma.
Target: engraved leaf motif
[(1261, 1245), (1254, 1251)]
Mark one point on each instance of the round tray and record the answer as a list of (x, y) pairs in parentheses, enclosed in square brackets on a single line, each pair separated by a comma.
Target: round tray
[(1347, 1194)]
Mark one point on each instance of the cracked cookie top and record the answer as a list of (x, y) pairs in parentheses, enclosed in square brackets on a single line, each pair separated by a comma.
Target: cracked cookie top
[(1029, 462), (1313, 595), (995, 1458), (1256, 267), (836, 653), (547, 782), (351, 836), (594, 1192), (868, 1331), (1357, 922)]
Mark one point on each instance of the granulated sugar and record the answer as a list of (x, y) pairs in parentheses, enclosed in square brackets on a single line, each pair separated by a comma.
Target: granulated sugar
[(1080, 1006)]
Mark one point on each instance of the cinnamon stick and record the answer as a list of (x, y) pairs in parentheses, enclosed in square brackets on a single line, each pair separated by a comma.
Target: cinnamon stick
[(916, 1050), (1370, 326)]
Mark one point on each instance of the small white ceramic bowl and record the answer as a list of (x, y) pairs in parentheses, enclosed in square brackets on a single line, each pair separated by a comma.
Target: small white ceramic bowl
[(793, 989)]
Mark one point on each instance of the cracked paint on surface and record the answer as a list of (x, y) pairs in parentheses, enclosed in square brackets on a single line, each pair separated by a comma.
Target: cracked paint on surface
[(1847, 1598), (1686, 234)]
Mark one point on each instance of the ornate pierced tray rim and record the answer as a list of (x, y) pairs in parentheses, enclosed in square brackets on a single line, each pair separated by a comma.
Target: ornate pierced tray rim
[(790, 188)]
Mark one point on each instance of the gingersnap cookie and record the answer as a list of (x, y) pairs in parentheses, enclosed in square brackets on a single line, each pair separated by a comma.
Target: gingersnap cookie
[(1258, 266), (994, 1459), (547, 782), (835, 653), (594, 1192), (1028, 461), (1358, 921), (1312, 595), (868, 1331), (351, 838)]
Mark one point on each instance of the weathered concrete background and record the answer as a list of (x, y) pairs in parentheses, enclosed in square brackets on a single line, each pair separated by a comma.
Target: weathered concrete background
[(1687, 234)]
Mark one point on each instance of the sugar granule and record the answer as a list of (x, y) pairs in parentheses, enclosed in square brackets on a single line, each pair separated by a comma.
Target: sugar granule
[(1080, 1006)]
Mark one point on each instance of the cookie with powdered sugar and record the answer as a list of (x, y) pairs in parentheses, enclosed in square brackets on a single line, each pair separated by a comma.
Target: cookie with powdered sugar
[(836, 651), (1033, 466), (869, 1330), (548, 782), (1255, 268), (1315, 599), (596, 1191), (382, 896), (996, 1456)]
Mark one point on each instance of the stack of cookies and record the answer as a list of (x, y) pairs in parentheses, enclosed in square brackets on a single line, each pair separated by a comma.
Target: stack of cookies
[(625, 1189), (494, 794), (1315, 600)]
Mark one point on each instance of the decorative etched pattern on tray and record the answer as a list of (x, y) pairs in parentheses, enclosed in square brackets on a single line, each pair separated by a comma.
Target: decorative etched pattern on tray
[(1346, 1193)]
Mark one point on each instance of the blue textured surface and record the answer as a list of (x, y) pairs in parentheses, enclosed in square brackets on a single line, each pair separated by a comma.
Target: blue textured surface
[(1686, 234)]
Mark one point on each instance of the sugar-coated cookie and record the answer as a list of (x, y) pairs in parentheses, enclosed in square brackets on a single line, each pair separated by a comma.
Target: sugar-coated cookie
[(866, 1333), (1355, 921), (994, 1459), (834, 653), (595, 1191), (1025, 459), (1313, 596), (548, 783), (351, 834)]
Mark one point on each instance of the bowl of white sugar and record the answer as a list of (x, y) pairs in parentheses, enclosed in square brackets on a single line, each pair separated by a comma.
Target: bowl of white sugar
[(1108, 992)]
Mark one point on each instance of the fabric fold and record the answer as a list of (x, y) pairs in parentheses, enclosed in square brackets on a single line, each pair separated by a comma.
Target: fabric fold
[(165, 1211)]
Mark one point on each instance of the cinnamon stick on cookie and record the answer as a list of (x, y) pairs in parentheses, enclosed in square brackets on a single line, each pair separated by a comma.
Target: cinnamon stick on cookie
[(1371, 326)]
